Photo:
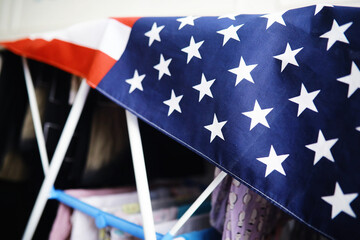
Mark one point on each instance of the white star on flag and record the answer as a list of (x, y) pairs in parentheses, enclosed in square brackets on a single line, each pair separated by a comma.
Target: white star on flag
[(340, 202), (274, 17), (322, 148), (204, 87), (319, 7), (163, 66), (353, 80), (288, 57), (336, 33), (193, 49), (243, 72), (154, 33), (230, 32), (189, 20), (258, 115), (230, 16), (215, 129), (305, 100), (358, 128), (135, 81), (173, 103), (273, 162)]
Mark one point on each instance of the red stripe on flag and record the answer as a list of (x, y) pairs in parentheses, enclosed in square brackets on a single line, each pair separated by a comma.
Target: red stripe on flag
[(128, 21), (85, 62)]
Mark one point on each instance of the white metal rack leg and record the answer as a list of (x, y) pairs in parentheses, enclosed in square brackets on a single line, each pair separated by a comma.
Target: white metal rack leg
[(142, 185), (57, 159), (36, 117)]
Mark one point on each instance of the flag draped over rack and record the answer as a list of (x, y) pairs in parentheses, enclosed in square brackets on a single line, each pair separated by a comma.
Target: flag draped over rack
[(271, 99)]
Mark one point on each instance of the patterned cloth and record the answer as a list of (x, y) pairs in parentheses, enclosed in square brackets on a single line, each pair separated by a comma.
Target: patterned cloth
[(240, 213)]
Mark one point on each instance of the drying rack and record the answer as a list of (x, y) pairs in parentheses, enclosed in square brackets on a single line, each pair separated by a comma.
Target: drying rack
[(102, 219)]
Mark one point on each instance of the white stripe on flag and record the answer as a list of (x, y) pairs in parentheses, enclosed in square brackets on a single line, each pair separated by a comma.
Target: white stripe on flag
[(107, 35)]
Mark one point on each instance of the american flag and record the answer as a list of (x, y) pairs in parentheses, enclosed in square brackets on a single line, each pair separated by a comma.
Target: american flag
[(271, 99)]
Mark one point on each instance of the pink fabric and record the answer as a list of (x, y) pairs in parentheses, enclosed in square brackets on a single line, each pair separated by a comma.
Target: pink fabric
[(61, 228)]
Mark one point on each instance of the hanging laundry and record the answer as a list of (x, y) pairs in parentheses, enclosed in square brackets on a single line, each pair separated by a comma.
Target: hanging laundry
[(161, 216), (126, 206), (240, 213)]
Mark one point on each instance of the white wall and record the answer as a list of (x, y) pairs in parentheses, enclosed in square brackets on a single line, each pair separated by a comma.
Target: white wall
[(21, 17)]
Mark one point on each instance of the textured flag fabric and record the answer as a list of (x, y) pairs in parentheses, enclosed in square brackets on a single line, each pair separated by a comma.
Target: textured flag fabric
[(271, 99)]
